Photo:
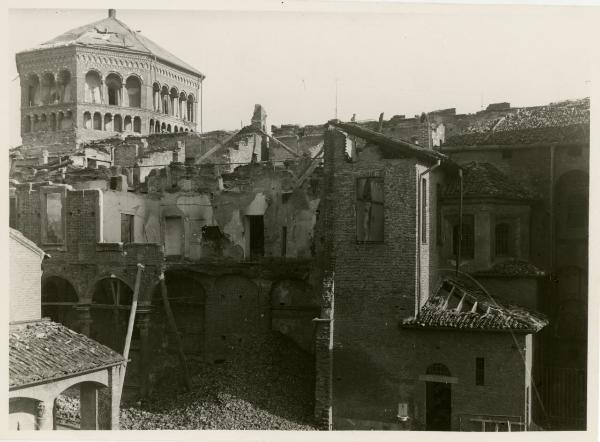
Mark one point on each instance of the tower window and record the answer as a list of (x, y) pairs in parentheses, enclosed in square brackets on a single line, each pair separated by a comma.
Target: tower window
[(369, 209)]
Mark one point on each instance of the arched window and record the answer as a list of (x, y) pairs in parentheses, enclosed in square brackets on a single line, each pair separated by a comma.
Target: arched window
[(27, 124), (156, 97), (43, 123), (151, 126), (137, 125), (169, 128), (183, 106), (134, 91), (67, 121), (52, 122), (163, 127), (190, 108), (174, 96), (87, 120), (118, 123), (48, 89), (36, 124), (58, 299), (97, 121), (157, 127), (503, 239), (33, 90), (438, 369), (111, 302), (108, 122), (59, 120), (164, 100), (64, 86), (92, 87), (128, 124), (175, 129), (114, 86)]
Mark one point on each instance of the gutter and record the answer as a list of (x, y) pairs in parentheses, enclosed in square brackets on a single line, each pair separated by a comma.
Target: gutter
[(420, 216)]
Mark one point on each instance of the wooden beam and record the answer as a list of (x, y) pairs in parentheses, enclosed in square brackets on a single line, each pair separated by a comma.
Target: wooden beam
[(134, 302), (173, 325)]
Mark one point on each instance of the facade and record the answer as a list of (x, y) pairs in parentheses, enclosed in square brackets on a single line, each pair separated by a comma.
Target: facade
[(46, 358), (102, 80)]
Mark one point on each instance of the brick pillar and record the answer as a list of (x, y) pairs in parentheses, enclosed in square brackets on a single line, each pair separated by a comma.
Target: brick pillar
[(143, 323), (44, 419), (84, 319), (88, 406)]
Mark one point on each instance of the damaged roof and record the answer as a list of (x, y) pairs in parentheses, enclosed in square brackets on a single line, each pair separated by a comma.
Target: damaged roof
[(462, 305), (391, 147), (43, 351), (110, 33), (566, 121), (513, 268), (484, 180)]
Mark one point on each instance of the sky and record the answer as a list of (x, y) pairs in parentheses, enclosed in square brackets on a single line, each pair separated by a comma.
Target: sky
[(406, 61)]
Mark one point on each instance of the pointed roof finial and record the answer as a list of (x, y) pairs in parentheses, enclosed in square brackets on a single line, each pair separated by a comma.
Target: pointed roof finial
[(112, 13)]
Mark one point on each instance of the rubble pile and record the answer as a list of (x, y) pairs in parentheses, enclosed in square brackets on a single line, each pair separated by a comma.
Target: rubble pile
[(266, 385)]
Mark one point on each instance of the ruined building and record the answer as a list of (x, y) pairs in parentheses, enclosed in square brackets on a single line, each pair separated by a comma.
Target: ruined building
[(100, 80)]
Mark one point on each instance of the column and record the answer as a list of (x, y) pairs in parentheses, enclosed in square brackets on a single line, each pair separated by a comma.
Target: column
[(88, 406), (44, 419), (84, 318), (142, 321), (124, 96)]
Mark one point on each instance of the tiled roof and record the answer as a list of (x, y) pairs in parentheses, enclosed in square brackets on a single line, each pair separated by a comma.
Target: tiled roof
[(512, 268), (44, 351), (484, 180), (461, 305), (110, 33), (566, 121)]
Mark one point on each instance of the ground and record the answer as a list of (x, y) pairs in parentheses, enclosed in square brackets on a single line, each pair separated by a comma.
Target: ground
[(267, 386)]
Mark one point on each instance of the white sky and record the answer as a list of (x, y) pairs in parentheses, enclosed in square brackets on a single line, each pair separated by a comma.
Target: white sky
[(404, 62)]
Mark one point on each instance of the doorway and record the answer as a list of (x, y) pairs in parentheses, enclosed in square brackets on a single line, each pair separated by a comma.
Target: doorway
[(438, 406)]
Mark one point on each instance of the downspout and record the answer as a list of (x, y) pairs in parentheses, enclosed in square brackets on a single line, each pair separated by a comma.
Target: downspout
[(420, 216), (460, 220)]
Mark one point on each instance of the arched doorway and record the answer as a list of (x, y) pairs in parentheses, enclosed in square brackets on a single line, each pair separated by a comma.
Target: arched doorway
[(438, 400), (58, 300)]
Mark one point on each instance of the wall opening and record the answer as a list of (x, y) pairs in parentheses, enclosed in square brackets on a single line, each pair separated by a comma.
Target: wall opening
[(173, 236), (58, 301), (256, 230), (134, 92)]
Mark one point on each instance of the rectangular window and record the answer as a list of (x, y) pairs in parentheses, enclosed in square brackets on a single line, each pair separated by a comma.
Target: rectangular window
[(502, 233), (284, 241), (369, 209), (257, 236), (54, 229), (467, 249), (479, 371), (424, 211), (127, 228)]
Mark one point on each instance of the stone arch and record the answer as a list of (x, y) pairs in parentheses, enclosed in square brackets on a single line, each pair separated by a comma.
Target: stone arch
[(118, 123), (108, 122), (33, 97), (163, 127), (157, 127), (97, 123), (133, 85), (190, 107), (59, 297), (137, 125), (183, 105), (35, 126), (22, 412), (114, 88), (93, 87), (168, 128), (128, 124), (48, 88), (175, 129), (64, 86), (151, 126)]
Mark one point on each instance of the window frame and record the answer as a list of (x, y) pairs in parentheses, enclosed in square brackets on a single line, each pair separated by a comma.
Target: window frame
[(44, 191), (381, 203), (455, 226)]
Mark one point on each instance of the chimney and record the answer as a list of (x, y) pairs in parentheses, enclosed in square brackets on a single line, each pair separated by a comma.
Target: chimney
[(112, 13)]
